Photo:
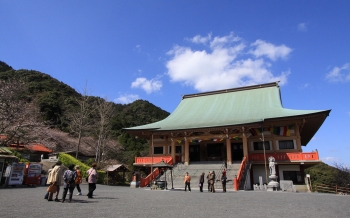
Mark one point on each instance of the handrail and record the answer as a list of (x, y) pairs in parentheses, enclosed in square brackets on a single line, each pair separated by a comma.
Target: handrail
[(153, 160), (293, 156), (238, 178), (218, 176), (145, 181)]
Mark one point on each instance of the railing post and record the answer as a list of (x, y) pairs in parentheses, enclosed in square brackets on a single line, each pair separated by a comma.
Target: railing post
[(235, 184)]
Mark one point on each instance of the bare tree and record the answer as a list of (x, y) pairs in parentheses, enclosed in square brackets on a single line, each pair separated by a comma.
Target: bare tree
[(79, 118), (342, 175), (105, 111), (16, 118)]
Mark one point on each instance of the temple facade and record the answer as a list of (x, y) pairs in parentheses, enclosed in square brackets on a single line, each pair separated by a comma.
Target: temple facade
[(243, 125)]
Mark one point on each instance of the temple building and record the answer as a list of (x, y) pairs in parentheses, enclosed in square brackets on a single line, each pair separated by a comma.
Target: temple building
[(243, 125)]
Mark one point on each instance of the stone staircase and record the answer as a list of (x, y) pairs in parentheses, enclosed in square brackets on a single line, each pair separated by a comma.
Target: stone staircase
[(195, 169)]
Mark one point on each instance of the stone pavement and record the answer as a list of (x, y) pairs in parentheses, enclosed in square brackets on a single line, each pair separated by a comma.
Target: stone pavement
[(117, 201)]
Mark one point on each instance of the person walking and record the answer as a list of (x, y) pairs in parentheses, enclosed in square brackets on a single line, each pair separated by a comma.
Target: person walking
[(187, 181), (201, 182), (78, 180), (223, 181), (69, 177), (92, 179), (55, 178)]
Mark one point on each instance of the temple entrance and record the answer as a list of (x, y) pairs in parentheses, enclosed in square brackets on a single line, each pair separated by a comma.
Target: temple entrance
[(237, 151), (215, 152), (194, 153)]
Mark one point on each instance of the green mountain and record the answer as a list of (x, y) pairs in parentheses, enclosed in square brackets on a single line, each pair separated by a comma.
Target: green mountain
[(54, 100)]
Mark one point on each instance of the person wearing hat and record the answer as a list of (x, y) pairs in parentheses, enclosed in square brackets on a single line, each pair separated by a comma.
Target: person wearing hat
[(78, 180), (92, 179)]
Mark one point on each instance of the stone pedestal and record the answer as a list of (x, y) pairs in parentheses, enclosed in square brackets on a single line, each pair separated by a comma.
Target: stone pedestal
[(273, 184)]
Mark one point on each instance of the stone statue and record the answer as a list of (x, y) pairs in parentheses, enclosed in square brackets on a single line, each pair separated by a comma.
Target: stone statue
[(273, 184), (272, 165)]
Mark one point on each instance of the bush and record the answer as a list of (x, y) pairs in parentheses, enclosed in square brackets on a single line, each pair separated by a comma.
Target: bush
[(67, 159)]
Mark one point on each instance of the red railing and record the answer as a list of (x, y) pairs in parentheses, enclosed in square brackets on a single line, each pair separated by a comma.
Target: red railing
[(145, 181), (295, 156), (149, 161), (237, 180), (153, 160)]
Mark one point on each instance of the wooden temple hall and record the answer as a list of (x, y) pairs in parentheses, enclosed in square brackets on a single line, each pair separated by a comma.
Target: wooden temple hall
[(235, 126)]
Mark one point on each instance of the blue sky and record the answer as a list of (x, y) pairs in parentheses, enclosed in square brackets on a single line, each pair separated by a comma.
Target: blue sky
[(161, 50)]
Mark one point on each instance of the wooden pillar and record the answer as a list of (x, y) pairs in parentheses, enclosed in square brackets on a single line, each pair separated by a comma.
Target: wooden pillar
[(187, 152), (151, 147), (173, 150), (229, 152), (245, 145), (297, 133)]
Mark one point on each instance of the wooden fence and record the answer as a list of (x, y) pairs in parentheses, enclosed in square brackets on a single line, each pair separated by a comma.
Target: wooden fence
[(335, 189)]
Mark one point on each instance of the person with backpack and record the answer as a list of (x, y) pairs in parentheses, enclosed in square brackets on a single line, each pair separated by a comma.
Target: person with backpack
[(69, 178)]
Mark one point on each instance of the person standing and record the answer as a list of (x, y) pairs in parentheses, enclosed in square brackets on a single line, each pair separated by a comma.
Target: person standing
[(78, 180), (69, 177), (212, 181), (55, 178), (208, 181), (47, 181), (92, 179), (223, 181), (187, 181), (201, 182)]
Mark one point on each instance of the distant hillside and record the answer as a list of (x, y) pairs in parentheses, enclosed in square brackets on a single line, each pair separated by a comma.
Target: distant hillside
[(325, 174), (54, 100)]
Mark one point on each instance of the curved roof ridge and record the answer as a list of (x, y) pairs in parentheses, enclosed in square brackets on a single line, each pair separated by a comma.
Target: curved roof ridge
[(244, 88)]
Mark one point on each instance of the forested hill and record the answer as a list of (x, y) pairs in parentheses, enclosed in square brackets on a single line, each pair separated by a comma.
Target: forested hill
[(55, 101)]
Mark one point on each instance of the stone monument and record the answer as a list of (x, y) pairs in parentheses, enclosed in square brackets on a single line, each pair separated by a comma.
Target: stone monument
[(273, 184)]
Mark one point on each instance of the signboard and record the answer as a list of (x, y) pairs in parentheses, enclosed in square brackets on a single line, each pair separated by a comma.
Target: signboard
[(17, 172)]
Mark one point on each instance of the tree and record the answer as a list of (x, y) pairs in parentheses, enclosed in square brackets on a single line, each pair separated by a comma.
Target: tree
[(342, 175), (105, 111), (79, 118), (16, 113)]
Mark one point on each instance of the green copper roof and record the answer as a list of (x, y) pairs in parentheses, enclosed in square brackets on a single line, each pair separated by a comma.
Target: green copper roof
[(226, 108)]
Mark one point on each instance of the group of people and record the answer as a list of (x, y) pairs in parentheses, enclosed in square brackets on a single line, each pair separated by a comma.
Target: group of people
[(211, 178), (71, 178)]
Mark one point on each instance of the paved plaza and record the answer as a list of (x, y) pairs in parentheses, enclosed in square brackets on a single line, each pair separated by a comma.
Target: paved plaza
[(117, 201)]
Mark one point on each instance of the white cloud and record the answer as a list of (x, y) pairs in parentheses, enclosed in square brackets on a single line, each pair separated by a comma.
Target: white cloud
[(302, 27), (271, 51), (219, 66), (198, 39), (339, 74), (349, 113), (126, 98), (148, 86)]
